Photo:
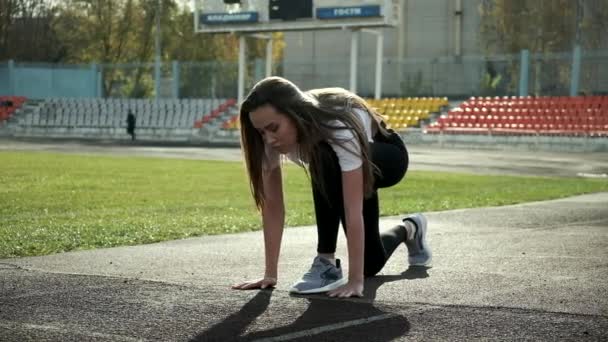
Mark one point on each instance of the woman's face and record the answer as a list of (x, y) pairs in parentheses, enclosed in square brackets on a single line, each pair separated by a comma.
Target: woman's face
[(277, 129)]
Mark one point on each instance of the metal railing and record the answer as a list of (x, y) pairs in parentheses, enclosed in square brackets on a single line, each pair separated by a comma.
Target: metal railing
[(517, 74)]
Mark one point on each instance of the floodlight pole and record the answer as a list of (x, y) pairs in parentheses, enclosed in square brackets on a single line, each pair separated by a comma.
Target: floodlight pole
[(379, 33), (268, 38), (379, 57), (269, 56), (354, 51), (243, 54)]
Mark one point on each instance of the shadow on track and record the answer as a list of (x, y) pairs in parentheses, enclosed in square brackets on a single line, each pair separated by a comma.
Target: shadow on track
[(325, 319)]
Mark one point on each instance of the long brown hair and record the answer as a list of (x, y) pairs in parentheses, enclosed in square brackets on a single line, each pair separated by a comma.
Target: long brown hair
[(312, 113)]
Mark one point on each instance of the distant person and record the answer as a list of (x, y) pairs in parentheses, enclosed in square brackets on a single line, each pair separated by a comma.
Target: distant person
[(131, 124), (349, 154)]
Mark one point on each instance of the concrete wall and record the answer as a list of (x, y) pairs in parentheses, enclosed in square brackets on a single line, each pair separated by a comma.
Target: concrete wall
[(426, 32), (430, 28)]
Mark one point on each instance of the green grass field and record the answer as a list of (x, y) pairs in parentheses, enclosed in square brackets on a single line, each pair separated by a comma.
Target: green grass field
[(53, 203)]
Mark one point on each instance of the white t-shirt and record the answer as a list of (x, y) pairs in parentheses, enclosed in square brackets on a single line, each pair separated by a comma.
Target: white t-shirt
[(348, 161)]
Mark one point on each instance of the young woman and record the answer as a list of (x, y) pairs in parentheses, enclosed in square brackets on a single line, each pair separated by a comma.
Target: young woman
[(349, 154)]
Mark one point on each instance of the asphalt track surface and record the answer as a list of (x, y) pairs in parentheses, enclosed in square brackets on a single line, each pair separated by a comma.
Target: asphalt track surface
[(536, 271)]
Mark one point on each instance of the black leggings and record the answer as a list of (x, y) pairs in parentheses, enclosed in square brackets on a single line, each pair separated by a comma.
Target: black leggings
[(391, 157)]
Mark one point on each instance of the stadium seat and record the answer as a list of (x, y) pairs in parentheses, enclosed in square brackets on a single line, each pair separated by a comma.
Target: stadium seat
[(89, 115), (579, 115), (401, 113), (218, 112), (9, 105)]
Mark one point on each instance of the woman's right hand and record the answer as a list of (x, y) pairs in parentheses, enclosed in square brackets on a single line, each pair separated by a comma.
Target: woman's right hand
[(256, 284)]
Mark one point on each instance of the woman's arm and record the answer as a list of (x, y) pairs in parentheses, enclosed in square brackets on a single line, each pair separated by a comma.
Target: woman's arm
[(273, 219), (352, 191)]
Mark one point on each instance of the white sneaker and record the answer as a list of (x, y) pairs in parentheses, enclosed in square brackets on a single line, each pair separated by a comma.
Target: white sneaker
[(419, 253), (323, 276)]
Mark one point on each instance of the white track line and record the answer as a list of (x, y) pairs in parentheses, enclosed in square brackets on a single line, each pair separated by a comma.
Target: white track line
[(331, 327)]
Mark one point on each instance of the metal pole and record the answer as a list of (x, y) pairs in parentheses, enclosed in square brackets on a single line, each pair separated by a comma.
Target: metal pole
[(157, 51), (401, 34), (379, 57), (458, 29), (100, 81), (524, 73), (241, 85), (269, 57), (175, 72), (575, 75), (354, 49)]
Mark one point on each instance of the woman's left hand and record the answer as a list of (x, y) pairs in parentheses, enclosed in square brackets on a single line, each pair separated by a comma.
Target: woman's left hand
[(351, 289)]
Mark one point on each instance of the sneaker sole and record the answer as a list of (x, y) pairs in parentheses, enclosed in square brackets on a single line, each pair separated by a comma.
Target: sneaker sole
[(424, 246), (325, 288)]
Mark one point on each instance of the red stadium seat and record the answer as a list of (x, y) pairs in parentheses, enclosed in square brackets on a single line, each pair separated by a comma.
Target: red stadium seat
[(9, 105), (526, 115)]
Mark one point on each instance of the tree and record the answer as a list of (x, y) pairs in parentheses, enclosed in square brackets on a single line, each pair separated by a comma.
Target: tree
[(26, 32), (119, 36), (543, 27), (210, 68)]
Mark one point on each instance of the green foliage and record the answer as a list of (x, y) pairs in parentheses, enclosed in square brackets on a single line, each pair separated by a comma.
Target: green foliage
[(113, 32), (52, 203), (543, 27), (27, 32)]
